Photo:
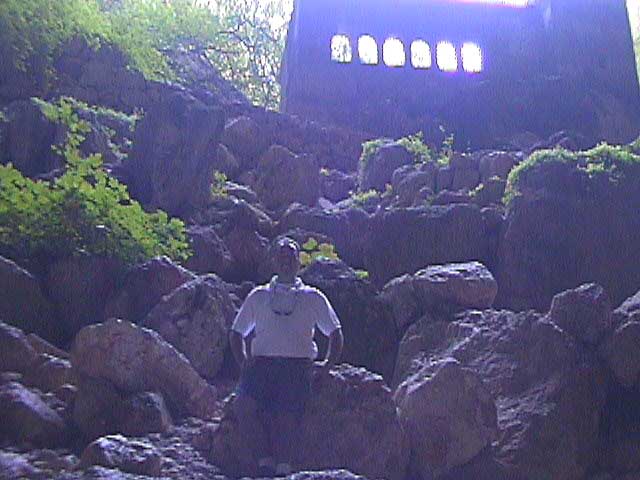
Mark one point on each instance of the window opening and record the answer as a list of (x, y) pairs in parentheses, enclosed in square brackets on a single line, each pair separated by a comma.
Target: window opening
[(393, 52), (471, 58), (341, 49), (447, 57), (368, 50), (420, 54)]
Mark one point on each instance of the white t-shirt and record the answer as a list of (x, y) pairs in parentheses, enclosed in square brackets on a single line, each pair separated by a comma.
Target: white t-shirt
[(284, 319)]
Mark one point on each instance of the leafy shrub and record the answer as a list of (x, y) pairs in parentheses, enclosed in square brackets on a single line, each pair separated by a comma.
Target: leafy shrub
[(604, 159), (364, 198), (83, 210), (416, 146), (312, 251), (219, 184)]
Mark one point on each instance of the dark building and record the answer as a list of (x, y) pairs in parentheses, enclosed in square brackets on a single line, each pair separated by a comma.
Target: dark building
[(486, 70)]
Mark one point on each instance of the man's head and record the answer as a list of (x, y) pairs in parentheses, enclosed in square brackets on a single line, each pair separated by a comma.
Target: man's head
[(285, 255)]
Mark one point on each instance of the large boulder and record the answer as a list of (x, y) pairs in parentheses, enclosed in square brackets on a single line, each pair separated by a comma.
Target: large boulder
[(26, 417), (196, 318), (79, 288), (121, 453), (369, 332), (143, 287), (347, 228), (584, 313), (174, 148), (456, 286), (350, 422), (246, 139), (136, 359), (549, 395), (16, 353), (376, 171), (49, 373), (560, 232), (448, 414), (284, 178), (210, 254), (404, 240), (24, 304)]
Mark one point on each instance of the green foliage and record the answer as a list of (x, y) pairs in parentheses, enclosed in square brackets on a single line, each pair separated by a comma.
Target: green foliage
[(238, 36), (312, 251), (324, 172), (219, 185), (83, 211), (416, 146), (610, 160), (364, 198), (446, 151), (362, 274)]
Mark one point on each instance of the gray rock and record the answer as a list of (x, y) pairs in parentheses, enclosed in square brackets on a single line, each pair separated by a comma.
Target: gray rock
[(440, 288), (79, 288), (448, 414), (24, 304), (49, 373), (361, 409), (174, 146), (622, 354), (196, 318), (584, 313), (97, 407), (284, 178), (26, 417), (16, 353), (225, 162), (136, 359), (143, 287), (145, 413), (465, 179), (378, 170), (121, 453), (210, 254), (496, 164), (245, 139)]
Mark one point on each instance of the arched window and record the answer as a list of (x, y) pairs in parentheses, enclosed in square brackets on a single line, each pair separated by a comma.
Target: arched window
[(393, 52), (420, 54), (368, 50), (471, 58), (447, 57), (341, 49)]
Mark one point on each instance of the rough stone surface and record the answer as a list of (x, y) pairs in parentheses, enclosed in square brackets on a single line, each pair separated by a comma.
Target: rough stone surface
[(23, 304), (16, 353), (173, 148), (137, 360), (143, 287), (79, 288), (145, 413), (336, 185), (561, 233), (25, 417), (549, 395), (378, 170), (408, 181), (284, 178), (440, 288), (49, 373), (629, 310), (97, 408), (496, 164), (449, 416), (121, 453), (245, 139), (195, 318), (368, 327), (360, 408), (622, 354), (584, 313), (210, 254), (404, 240)]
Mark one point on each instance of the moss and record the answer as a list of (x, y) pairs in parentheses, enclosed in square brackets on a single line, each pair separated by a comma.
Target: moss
[(604, 159), (364, 198)]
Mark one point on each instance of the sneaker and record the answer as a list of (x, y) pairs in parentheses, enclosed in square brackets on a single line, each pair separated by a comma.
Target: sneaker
[(283, 469), (267, 467)]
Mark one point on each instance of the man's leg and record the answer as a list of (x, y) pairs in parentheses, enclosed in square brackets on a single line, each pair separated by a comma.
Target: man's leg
[(254, 427), (285, 436)]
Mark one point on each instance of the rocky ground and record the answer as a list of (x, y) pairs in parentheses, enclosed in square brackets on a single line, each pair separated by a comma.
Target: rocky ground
[(483, 340)]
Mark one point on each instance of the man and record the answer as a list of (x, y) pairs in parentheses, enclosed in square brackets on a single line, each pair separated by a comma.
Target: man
[(276, 367)]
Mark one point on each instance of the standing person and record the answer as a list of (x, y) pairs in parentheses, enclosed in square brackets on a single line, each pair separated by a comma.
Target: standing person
[(275, 382)]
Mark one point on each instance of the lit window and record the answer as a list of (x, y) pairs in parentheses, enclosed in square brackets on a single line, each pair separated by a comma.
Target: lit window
[(447, 57), (471, 58), (393, 52), (368, 50), (341, 49), (420, 54)]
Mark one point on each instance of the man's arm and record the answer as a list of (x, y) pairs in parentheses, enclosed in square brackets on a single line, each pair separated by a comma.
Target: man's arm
[(238, 348), (334, 350)]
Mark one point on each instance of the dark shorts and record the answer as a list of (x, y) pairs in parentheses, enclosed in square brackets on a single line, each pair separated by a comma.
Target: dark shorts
[(277, 384)]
